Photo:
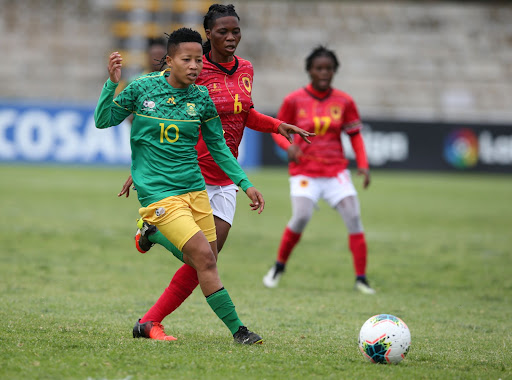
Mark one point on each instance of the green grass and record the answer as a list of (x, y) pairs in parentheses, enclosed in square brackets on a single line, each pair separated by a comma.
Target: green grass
[(72, 284)]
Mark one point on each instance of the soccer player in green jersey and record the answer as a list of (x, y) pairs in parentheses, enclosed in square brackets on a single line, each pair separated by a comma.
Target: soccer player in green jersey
[(169, 113)]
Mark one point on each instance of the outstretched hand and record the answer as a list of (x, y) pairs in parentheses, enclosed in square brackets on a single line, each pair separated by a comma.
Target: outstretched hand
[(257, 199), (126, 187), (366, 174), (287, 129), (114, 67)]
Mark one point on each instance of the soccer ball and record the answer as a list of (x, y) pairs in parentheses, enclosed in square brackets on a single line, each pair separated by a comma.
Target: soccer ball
[(384, 338)]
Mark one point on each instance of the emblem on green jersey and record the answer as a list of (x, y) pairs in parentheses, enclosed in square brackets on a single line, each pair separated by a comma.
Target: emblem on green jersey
[(191, 109), (149, 105)]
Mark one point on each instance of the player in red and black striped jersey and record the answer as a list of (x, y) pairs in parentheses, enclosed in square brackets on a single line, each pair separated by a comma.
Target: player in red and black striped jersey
[(229, 81), (319, 170)]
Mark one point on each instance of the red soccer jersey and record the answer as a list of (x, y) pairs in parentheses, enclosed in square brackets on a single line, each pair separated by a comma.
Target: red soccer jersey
[(230, 87), (327, 114)]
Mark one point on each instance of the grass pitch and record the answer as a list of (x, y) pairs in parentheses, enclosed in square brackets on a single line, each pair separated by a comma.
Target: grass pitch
[(72, 284)]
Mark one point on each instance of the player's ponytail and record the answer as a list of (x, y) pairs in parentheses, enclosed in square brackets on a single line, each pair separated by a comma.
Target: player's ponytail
[(207, 47)]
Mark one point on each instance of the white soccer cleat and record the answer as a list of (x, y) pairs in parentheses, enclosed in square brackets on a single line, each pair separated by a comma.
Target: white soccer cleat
[(271, 279), (362, 286)]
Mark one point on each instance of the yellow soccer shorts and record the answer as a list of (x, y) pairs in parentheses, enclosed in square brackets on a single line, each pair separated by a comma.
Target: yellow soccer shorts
[(180, 217)]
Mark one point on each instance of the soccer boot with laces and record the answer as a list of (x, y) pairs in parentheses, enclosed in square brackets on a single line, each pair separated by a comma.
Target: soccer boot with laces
[(271, 279), (144, 230), (150, 330), (244, 336), (362, 286)]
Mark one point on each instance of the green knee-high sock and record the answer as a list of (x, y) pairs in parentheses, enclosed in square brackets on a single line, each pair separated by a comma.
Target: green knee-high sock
[(159, 238), (221, 304)]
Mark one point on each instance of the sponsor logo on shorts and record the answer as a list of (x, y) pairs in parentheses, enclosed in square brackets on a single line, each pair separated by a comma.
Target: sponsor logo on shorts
[(160, 211), (304, 183)]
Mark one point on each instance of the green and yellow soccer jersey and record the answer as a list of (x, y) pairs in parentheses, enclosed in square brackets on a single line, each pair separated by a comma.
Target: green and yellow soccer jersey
[(165, 129)]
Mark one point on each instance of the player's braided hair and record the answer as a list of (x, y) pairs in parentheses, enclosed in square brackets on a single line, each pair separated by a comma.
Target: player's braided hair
[(214, 12), (177, 37), (321, 51)]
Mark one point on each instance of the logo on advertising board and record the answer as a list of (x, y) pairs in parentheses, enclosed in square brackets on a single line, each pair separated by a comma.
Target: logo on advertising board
[(461, 148), (495, 148), (61, 134), (382, 147)]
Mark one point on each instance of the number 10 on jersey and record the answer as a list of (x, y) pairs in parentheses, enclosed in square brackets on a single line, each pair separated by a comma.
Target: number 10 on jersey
[(164, 132)]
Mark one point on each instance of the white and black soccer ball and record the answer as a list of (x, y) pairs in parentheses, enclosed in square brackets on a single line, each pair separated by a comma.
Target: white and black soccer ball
[(384, 339)]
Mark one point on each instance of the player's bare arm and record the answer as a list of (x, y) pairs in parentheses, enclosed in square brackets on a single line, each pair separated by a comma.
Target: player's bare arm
[(286, 130)]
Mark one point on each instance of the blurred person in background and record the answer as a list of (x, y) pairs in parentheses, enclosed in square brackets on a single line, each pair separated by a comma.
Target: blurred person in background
[(169, 112), (229, 82), (156, 50), (319, 170)]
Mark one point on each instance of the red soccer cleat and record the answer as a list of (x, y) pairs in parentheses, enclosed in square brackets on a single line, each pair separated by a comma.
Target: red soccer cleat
[(150, 330)]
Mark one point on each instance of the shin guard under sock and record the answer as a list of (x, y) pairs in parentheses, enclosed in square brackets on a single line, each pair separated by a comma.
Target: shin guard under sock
[(223, 306), (288, 241), (357, 245)]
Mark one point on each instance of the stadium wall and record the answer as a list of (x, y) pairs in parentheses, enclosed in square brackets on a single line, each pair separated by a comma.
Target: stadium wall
[(419, 60)]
